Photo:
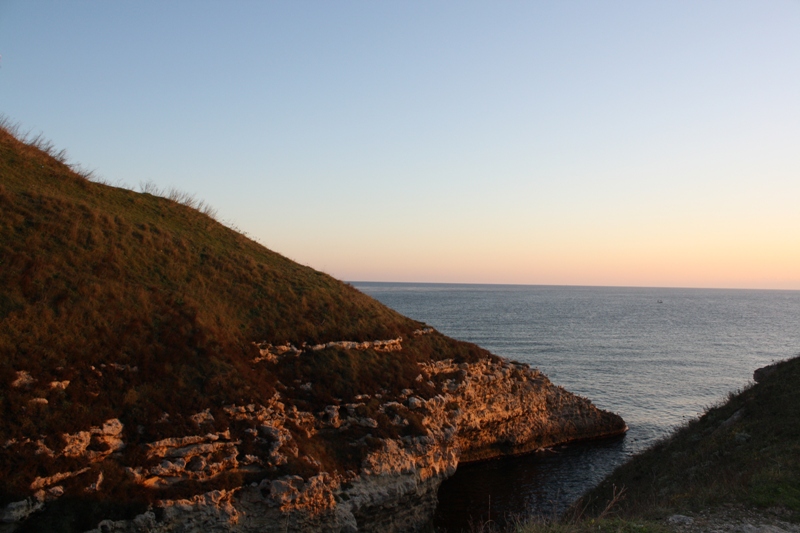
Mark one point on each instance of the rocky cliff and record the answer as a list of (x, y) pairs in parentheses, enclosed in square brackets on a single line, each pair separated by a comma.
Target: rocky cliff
[(468, 411)]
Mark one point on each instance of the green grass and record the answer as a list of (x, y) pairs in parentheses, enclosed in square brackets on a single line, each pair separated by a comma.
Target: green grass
[(744, 452)]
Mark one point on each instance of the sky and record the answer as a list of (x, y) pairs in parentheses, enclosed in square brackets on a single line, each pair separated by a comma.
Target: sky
[(622, 143)]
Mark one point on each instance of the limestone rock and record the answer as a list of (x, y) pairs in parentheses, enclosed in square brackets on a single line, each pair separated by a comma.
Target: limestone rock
[(203, 417), (108, 438), (42, 482), (680, 520), (478, 410), (19, 511), (23, 379), (489, 408)]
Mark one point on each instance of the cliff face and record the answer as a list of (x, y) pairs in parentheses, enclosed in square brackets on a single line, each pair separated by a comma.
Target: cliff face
[(481, 410)]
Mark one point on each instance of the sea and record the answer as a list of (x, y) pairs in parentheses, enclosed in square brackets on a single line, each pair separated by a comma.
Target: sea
[(656, 356)]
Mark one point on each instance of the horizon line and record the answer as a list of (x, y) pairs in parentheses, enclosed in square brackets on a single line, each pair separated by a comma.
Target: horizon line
[(574, 286)]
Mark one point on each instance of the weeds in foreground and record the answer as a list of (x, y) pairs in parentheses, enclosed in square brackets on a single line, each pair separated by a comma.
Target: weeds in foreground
[(606, 525), (597, 525), (573, 521), (180, 197)]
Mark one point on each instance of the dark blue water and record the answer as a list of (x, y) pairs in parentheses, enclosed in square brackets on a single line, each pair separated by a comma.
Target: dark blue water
[(655, 356)]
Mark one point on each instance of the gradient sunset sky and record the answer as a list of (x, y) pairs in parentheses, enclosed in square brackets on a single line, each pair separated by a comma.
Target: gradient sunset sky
[(634, 143)]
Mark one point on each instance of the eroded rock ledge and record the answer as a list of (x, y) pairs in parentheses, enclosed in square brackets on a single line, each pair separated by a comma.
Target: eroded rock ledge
[(480, 410)]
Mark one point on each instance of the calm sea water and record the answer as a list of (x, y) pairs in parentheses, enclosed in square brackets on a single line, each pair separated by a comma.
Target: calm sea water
[(655, 356)]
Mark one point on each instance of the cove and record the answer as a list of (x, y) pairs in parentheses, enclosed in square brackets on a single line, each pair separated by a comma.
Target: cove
[(540, 484)]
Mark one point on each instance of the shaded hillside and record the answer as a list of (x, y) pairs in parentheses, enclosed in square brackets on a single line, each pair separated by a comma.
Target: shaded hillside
[(743, 454)]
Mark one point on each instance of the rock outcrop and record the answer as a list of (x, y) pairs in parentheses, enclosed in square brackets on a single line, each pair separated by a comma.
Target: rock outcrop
[(481, 410), (760, 374)]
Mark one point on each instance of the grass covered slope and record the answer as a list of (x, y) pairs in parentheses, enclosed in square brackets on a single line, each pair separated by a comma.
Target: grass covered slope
[(149, 310), (94, 274), (745, 452)]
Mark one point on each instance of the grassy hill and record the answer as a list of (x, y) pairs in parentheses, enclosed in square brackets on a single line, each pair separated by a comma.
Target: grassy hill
[(739, 463), (150, 309), (745, 451)]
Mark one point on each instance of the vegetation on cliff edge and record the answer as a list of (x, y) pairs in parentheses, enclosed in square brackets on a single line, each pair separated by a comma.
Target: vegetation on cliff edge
[(740, 457)]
